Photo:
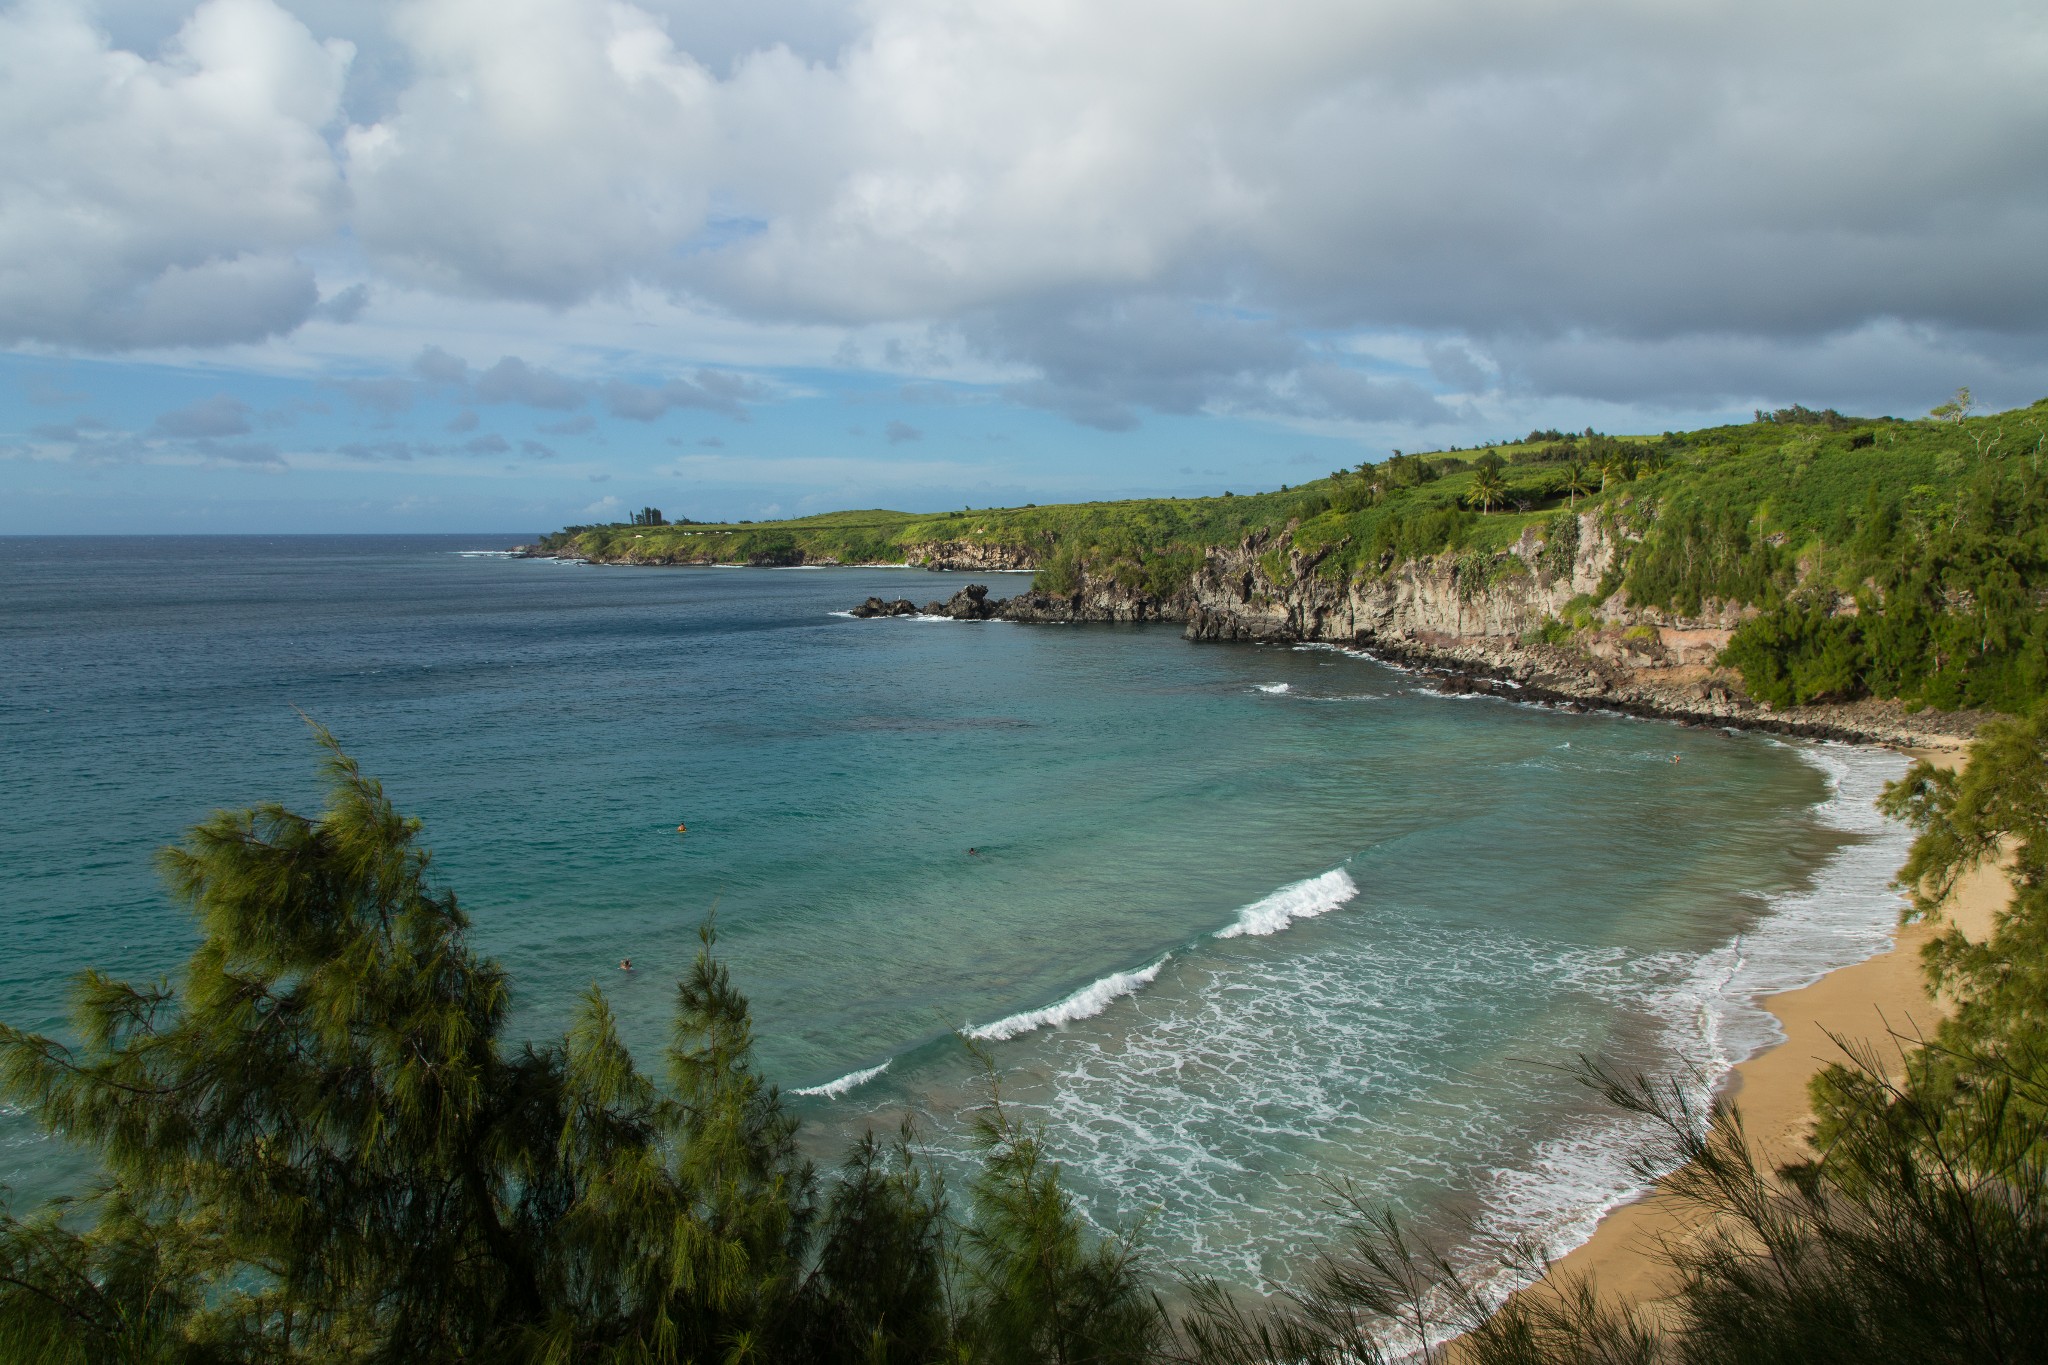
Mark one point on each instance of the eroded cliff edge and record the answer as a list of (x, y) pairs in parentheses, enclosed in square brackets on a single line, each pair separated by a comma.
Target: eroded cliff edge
[(1544, 621)]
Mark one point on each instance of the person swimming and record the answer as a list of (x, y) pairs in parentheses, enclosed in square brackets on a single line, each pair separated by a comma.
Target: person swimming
[(625, 964), (682, 829), (974, 853)]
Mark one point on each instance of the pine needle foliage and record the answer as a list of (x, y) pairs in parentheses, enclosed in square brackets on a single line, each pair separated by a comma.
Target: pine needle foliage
[(319, 1146)]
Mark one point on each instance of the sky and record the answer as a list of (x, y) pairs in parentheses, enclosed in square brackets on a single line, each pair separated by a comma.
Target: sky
[(505, 265)]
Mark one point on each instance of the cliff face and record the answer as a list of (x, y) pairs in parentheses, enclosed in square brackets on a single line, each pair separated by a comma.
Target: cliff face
[(1475, 621), (969, 555)]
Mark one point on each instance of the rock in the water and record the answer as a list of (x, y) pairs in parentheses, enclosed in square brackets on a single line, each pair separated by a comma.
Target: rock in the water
[(969, 604), (875, 606)]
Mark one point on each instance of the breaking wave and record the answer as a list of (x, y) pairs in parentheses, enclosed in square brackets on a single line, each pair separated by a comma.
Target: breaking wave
[(832, 1090), (1298, 900), (1090, 1000)]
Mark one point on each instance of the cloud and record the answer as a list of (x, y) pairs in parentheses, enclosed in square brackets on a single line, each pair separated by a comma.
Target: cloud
[(238, 452), (604, 507), (578, 122), (221, 415), (436, 366), (708, 390), (45, 392), (579, 425), (1006, 188), (1454, 365), (535, 450), (1883, 367), (376, 450), (899, 432), (161, 202), (466, 420), (344, 307), (83, 429), (388, 395), (488, 444), (512, 380)]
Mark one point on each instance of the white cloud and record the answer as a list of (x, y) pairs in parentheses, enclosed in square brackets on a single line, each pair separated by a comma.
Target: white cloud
[(148, 202), (1155, 205), (545, 149)]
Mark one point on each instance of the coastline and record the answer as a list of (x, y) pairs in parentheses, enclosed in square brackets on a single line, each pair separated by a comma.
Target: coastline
[(1858, 1001), (1863, 1001)]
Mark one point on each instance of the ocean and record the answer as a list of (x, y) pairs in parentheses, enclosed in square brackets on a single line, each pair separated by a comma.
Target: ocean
[(1234, 924)]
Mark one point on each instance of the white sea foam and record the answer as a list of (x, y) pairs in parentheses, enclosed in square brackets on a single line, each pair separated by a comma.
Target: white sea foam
[(1298, 900), (832, 1090), (1092, 999), (1274, 689), (1710, 1007)]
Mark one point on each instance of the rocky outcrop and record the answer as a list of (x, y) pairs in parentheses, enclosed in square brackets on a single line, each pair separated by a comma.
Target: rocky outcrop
[(875, 606), (969, 604), (968, 556)]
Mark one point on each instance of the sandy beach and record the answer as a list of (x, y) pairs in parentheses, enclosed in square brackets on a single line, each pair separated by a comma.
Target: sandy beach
[(1866, 1001)]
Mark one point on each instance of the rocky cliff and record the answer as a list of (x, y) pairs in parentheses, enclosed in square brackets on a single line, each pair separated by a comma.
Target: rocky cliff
[(1477, 622), (971, 556)]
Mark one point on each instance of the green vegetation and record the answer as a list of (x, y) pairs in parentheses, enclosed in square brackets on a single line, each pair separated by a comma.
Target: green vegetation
[(1883, 557), (320, 1147)]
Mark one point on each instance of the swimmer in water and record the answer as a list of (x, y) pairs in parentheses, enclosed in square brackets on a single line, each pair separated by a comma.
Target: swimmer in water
[(625, 964), (682, 829), (974, 853)]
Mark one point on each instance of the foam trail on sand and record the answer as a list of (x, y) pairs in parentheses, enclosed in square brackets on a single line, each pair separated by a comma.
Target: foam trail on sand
[(1298, 900), (832, 1090), (1092, 999)]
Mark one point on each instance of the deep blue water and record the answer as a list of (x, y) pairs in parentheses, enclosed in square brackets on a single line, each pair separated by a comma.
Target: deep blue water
[(1442, 895)]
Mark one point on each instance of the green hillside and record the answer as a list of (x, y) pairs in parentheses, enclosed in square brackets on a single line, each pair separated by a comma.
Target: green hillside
[(1891, 558)]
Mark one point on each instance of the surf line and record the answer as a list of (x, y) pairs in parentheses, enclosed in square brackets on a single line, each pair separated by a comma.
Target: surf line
[(1268, 915), (832, 1090), (1092, 999), (1297, 900)]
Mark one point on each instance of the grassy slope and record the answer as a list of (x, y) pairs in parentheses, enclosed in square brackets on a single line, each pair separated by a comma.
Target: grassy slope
[(1936, 527)]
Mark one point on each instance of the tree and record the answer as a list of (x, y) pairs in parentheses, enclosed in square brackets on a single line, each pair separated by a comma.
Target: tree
[(1577, 482), (1488, 488), (319, 1147), (1041, 1292), (1956, 409)]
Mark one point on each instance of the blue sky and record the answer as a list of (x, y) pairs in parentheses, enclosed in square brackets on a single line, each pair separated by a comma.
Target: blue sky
[(453, 265)]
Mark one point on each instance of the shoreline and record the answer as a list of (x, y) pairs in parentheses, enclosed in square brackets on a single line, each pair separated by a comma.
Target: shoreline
[(1858, 1001), (1863, 1001), (1664, 685)]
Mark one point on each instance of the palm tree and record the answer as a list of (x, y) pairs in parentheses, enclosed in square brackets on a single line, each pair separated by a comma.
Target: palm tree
[(1577, 482), (1488, 487)]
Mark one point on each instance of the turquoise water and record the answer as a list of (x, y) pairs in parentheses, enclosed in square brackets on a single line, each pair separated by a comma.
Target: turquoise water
[(1434, 900)]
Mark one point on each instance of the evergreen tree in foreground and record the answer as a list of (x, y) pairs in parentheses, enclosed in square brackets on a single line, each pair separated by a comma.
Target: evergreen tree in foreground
[(320, 1147)]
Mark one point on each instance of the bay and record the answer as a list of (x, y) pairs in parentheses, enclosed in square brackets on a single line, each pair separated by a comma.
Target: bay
[(910, 828)]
